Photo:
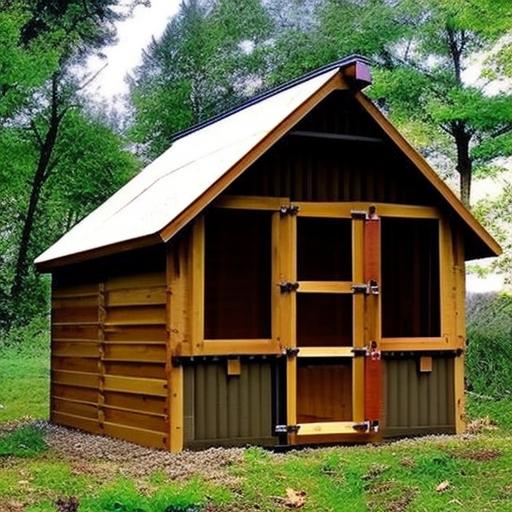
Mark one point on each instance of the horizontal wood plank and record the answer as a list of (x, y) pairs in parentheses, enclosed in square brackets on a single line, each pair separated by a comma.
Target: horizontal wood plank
[(251, 202), (134, 315), (325, 287), (325, 352), (327, 428), (139, 385), (135, 419), (140, 436), (138, 296), (71, 420), (134, 281), (77, 379), (75, 349)]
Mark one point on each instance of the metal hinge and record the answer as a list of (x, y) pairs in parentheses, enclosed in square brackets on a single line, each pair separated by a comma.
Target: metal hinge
[(359, 351), (287, 287), (364, 426), (289, 209), (370, 288), (286, 429), (291, 351)]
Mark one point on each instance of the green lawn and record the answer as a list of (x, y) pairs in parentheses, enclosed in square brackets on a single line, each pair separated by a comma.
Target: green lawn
[(24, 385), (472, 473)]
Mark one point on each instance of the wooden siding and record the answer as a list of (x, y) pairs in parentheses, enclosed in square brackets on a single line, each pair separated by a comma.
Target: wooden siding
[(312, 169), (109, 348)]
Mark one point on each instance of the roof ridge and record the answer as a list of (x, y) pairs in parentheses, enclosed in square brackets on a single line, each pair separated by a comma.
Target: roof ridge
[(271, 92)]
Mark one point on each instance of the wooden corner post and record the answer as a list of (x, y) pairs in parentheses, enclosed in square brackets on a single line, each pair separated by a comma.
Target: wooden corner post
[(177, 338)]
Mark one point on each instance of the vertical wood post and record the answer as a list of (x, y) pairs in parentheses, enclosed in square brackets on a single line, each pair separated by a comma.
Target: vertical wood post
[(176, 336), (102, 313), (358, 320), (460, 333), (288, 310), (197, 295)]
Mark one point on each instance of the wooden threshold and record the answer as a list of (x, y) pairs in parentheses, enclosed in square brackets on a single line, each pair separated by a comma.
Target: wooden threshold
[(330, 427)]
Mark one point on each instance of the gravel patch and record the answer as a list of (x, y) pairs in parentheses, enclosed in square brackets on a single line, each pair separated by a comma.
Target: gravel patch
[(133, 460)]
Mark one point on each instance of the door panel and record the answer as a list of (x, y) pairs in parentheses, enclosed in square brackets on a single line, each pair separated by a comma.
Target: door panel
[(325, 371)]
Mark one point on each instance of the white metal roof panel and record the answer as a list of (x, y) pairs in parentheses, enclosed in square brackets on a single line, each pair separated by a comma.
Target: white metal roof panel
[(173, 181)]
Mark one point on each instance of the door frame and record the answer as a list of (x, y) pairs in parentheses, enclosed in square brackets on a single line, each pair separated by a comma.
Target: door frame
[(288, 314)]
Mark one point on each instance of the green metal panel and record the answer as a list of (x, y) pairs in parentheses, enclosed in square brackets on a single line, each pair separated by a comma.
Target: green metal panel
[(222, 409), (418, 403)]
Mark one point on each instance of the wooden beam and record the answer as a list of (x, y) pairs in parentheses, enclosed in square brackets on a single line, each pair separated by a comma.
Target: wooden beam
[(238, 347), (325, 352), (288, 312), (251, 202), (176, 337), (358, 340), (460, 332), (335, 136), (197, 295), (416, 344), (345, 209), (330, 427), (325, 287), (128, 245)]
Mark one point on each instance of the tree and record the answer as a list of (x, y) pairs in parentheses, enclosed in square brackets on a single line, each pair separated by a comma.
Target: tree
[(422, 82), (204, 62), (38, 108)]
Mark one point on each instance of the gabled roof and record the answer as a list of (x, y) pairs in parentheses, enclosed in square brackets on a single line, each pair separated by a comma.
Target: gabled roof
[(205, 159)]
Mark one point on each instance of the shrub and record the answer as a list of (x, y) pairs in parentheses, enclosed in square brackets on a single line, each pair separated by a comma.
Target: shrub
[(489, 353), (26, 441)]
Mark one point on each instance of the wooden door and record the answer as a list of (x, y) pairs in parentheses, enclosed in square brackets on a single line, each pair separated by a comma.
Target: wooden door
[(329, 315)]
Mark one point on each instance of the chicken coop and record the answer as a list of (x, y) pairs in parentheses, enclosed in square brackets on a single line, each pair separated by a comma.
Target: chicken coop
[(288, 272)]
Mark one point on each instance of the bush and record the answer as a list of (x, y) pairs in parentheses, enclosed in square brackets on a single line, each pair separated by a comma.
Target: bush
[(30, 340), (26, 441), (489, 353)]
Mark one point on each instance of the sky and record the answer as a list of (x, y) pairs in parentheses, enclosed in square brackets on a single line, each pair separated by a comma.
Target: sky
[(134, 34)]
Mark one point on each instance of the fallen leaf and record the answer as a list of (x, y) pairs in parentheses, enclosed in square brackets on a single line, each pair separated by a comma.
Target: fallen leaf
[(295, 499), (443, 486)]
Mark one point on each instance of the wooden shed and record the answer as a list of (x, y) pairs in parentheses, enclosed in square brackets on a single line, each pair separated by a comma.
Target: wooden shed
[(289, 272)]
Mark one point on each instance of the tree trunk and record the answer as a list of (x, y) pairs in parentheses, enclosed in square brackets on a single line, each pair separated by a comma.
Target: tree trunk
[(41, 174), (464, 163)]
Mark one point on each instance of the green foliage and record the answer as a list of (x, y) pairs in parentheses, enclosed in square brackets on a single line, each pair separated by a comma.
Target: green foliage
[(25, 441), (489, 332), (204, 61), (124, 496), (23, 68), (24, 367), (495, 214)]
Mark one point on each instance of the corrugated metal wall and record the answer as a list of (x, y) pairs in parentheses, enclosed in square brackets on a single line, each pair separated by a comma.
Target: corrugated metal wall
[(418, 403), (223, 409)]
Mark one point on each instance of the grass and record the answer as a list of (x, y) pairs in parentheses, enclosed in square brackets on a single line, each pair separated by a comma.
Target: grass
[(26, 441), (476, 472), (395, 477), (25, 370)]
